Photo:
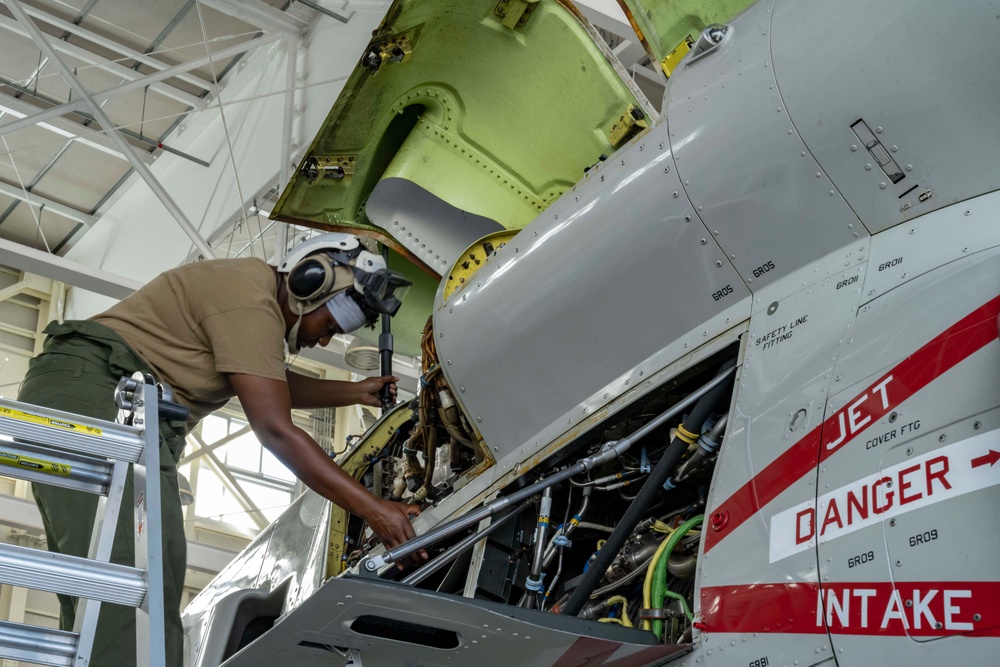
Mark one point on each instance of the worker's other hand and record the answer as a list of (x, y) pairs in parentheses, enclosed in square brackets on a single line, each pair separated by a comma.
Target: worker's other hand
[(369, 389), (391, 523)]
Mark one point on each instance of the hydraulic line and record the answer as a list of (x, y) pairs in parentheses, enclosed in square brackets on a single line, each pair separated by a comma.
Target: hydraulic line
[(656, 577), (649, 491), (609, 452), (534, 583), (566, 530), (456, 549)]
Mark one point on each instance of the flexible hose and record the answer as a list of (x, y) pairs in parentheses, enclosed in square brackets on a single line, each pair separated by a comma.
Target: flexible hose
[(648, 493), (647, 584), (659, 570)]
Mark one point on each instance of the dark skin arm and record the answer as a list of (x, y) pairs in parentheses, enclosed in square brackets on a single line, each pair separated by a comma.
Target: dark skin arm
[(308, 393), (267, 404)]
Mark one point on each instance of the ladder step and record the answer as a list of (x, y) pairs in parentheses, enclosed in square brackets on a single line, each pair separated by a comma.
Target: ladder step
[(56, 467), (71, 575), (75, 433), (40, 646)]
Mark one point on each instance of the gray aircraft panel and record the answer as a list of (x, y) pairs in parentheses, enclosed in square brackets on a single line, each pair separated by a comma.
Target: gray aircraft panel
[(945, 235), (389, 624), (791, 348), (944, 144), (291, 550), (890, 327), (569, 338), (433, 230), (734, 144), (930, 548)]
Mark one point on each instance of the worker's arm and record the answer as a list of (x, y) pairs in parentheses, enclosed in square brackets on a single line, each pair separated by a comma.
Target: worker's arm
[(308, 393), (267, 405)]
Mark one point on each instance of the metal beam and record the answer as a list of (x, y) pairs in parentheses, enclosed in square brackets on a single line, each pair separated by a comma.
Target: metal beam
[(52, 206), (91, 58), (66, 271), (111, 45), (64, 128), (233, 485), (113, 133), (144, 80), (208, 449), (258, 14)]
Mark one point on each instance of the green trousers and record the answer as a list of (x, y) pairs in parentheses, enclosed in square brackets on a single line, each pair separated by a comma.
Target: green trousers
[(77, 372)]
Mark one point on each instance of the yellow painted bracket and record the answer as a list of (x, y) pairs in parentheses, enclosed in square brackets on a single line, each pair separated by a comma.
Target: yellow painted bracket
[(674, 57), (629, 124), (515, 13), (474, 257)]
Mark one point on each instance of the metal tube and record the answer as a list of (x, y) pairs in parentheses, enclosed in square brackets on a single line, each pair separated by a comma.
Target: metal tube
[(568, 529), (647, 493), (611, 451), (113, 133), (456, 549), (541, 531)]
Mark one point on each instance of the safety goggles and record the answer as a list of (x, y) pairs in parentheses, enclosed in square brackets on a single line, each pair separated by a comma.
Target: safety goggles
[(383, 290)]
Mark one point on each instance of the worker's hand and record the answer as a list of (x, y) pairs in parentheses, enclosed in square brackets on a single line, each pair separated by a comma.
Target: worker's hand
[(369, 388), (391, 523)]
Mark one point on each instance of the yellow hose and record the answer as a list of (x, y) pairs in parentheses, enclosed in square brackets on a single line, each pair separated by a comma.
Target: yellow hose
[(619, 599), (647, 584)]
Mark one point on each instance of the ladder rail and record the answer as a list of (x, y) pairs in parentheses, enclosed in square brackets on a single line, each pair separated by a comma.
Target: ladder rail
[(41, 646), (108, 510), (70, 432), (151, 619), (46, 465), (91, 455)]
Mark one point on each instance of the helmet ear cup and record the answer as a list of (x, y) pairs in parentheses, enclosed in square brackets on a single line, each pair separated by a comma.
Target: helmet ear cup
[(308, 278), (311, 282)]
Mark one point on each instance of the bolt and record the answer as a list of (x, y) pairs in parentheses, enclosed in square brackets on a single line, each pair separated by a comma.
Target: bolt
[(941, 438), (892, 522), (899, 563)]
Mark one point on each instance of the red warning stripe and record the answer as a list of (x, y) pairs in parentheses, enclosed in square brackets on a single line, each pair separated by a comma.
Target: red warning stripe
[(917, 609), (946, 350)]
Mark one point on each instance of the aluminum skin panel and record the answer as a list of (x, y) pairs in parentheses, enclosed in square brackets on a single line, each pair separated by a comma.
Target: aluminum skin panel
[(901, 507), (931, 101), (416, 627), (575, 311), (945, 235), (429, 227), (744, 166), (292, 549), (745, 597)]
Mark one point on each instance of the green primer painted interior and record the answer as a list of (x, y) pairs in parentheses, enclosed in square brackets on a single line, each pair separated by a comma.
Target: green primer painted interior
[(494, 120)]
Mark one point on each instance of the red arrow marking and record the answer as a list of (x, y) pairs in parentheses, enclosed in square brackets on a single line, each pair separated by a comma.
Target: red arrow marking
[(986, 459)]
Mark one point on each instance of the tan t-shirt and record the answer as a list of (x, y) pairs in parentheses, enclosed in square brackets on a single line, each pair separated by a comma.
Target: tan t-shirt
[(196, 323)]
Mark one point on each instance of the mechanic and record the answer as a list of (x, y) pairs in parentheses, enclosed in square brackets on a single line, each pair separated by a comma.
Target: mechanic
[(213, 330)]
